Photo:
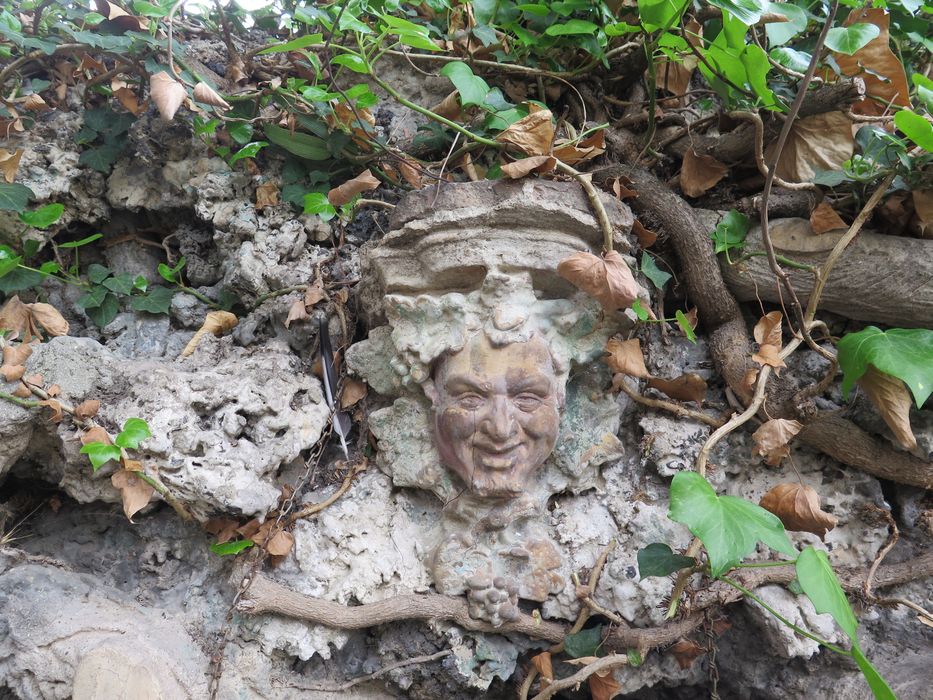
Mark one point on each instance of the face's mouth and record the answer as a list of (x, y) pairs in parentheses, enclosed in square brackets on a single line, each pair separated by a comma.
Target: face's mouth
[(497, 457)]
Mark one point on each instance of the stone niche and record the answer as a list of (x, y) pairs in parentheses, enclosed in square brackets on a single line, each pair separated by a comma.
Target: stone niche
[(487, 359)]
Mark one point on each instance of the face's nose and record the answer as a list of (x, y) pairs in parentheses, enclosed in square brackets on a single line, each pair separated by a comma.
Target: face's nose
[(499, 422)]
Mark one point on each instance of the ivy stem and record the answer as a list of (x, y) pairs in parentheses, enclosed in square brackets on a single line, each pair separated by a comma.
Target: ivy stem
[(25, 403), (431, 115), (765, 564), (799, 630), (197, 295), (780, 258)]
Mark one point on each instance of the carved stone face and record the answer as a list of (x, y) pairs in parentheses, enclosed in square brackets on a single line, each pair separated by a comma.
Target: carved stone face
[(496, 413)]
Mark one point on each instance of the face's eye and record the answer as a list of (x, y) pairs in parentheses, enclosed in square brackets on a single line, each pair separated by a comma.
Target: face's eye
[(528, 402), (470, 402)]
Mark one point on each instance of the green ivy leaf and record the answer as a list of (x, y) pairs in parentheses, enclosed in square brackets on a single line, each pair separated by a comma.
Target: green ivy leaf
[(9, 260), (791, 58), (317, 203), (19, 279), (731, 231), (50, 268), (850, 39), (685, 326), (82, 242), (819, 583), (729, 527), (656, 14), (924, 90), (905, 353), (916, 128), (121, 284), (157, 301), (140, 283), (574, 26), (248, 151), (100, 453), (227, 548), (748, 12), (640, 311), (781, 32), (93, 298), (43, 217), (353, 62), (293, 45), (104, 313), (658, 559), (170, 274), (586, 642), (302, 145), (101, 158), (472, 88), (14, 196), (650, 269), (135, 430), (879, 687), (241, 132), (97, 273)]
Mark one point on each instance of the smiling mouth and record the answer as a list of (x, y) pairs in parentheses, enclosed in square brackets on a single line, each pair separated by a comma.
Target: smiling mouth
[(498, 458)]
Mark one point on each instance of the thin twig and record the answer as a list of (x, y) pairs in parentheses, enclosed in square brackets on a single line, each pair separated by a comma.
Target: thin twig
[(672, 407), (605, 665), (591, 194), (340, 687), (755, 119), (314, 508), (171, 17)]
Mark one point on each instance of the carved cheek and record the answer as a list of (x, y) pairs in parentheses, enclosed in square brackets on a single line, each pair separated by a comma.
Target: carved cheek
[(456, 424), (541, 424)]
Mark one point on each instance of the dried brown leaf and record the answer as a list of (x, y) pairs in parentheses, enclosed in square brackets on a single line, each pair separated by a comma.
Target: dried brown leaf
[(686, 651), (205, 94), (353, 391), (54, 390), (542, 662), (892, 399), (608, 279), (699, 173), (363, 182), (769, 355), (9, 163), (876, 64), (129, 100), (16, 354), (131, 465), (449, 107), (134, 491), (280, 543), (772, 439), (646, 237), (314, 293), (525, 166), (824, 218), (469, 167), (625, 356), (22, 392), (55, 406), (749, 379), (49, 318), (250, 528), (411, 171), (267, 195), (296, 312), (587, 149), (35, 103), (923, 208), (15, 317), (622, 188), (768, 329), (673, 74), (532, 134), (820, 142), (87, 409), (224, 529), (12, 373), (95, 434), (216, 323), (167, 94), (603, 687), (798, 507), (686, 387)]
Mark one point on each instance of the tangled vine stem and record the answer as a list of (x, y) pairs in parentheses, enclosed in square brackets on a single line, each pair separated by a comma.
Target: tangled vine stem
[(606, 664)]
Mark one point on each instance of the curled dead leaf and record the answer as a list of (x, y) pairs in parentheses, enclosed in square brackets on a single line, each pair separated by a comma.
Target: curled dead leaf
[(96, 434), (768, 329), (87, 409), (798, 507), (532, 134), (699, 173), (267, 195), (9, 163), (134, 491), (772, 439), (923, 208), (749, 379), (622, 187), (205, 94), (646, 237), (686, 387), (353, 391), (603, 687), (12, 373), (35, 103), (49, 318), (15, 317), (296, 312), (892, 399), (542, 662), (126, 97), (449, 107), (167, 93), (769, 355), (686, 651), (816, 143), (824, 218), (216, 323), (16, 354), (314, 293), (224, 529), (363, 182), (608, 279), (586, 149), (411, 171), (55, 406), (625, 356), (280, 543), (22, 392), (531, 164)]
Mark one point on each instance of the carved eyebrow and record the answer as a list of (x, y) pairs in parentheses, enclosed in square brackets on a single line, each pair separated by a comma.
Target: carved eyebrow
[(539, 384), (460, 384)]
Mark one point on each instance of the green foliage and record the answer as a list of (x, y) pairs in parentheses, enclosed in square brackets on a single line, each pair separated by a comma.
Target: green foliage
[(650, 269), (224, 549), (685, 326), (586, 642), (471, 88), (14, 196), (905, 353), (729, 527), (100, 453), (916, 128), (43, 217), (135, 430), (106, 132), (658, 559), (850, 39), (730, 233), (819, 583)]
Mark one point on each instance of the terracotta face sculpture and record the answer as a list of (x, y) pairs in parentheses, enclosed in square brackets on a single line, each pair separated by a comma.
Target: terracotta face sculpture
[(497, 413)]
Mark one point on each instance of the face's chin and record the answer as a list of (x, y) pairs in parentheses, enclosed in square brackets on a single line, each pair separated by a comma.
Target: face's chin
[(495, 472)]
